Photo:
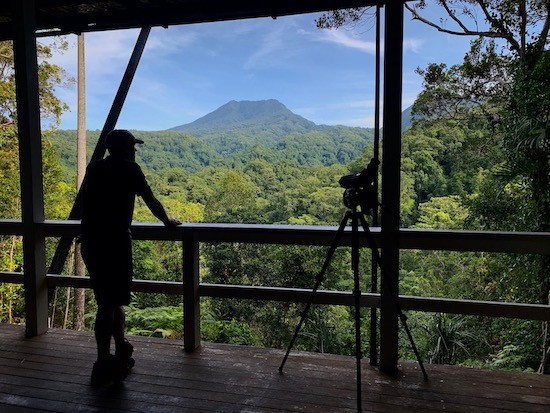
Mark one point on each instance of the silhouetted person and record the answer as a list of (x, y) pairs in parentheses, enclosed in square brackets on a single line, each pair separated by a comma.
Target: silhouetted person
[(109, 190)]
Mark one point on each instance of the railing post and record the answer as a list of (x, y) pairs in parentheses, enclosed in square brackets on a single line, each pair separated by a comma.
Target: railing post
[(391, 165), (191, 297), (30, 166)]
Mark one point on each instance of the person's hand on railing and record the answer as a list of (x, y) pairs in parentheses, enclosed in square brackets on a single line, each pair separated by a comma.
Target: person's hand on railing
[(172, 222)]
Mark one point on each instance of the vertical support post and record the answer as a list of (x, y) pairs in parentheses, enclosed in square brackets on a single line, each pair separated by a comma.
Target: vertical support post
[(373, 338), (30, 164), (357, 301), (191, 297), (391, 166)]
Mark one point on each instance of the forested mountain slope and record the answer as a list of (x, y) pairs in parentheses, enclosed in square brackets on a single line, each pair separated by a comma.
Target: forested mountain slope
[(234, 134)]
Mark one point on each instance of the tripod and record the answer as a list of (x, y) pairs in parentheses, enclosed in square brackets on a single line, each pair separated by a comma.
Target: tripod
[(353, 197)]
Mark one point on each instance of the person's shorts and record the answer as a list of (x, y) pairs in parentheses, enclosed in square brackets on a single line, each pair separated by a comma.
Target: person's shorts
[(109, 263)]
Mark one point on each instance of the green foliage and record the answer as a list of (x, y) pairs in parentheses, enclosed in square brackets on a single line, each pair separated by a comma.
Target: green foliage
[(442, 213), (230, 332), (475, 157), (330, 329), (235, 135), (155, 321), (447, 335), (510, 357)]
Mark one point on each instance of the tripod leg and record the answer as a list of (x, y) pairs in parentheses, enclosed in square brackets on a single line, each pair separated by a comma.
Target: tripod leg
[(373, 341), (357, 300), (402, 316), (318, 279)]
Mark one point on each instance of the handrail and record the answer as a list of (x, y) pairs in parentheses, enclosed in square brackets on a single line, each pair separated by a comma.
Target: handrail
[(421, 239), (299, 295), (537, 312), (11, 227), (487, 241)]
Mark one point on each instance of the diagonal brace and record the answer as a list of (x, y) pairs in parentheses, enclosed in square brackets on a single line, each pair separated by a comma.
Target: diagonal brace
[(64, 245)]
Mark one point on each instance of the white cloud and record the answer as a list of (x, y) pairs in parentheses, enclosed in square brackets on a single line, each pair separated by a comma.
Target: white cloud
[(358, 104), (108, 52), (170, 41), (350, 41), (273, 48), (413, 45), (353, 40)]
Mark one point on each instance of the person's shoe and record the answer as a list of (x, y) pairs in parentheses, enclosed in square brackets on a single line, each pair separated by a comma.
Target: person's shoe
[(122, 368), (125, 351), (123, 361), (102, 372)]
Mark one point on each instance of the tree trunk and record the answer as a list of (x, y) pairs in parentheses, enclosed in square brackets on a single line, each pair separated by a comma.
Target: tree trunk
[(79, 293), (544, 277), (10, 287), (80, 270), (541, 192), (545, 363)]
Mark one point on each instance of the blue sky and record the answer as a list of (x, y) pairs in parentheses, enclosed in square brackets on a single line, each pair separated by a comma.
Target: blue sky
[(188, 71)]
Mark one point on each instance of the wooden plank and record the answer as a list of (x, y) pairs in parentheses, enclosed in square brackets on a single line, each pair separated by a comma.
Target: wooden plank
[(12, 277), (299, 295), (441, 240), (486, 241), (11, 227), (52, 372)]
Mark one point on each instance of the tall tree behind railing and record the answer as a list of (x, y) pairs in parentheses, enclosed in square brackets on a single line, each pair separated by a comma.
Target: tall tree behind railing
[(503, 80), (80, 269)]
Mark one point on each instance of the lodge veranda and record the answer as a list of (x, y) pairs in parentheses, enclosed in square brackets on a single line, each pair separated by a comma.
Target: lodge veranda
[(247, 378)]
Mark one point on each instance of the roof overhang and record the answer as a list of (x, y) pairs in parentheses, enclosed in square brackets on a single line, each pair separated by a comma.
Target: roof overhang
[(57, 17)]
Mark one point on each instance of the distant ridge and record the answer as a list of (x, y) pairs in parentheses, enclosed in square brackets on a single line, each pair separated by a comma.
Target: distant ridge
[(406, 118), (264, 113), (237, 133)]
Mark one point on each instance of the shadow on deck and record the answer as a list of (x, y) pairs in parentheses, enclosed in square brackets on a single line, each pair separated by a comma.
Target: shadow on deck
[(52, 373)]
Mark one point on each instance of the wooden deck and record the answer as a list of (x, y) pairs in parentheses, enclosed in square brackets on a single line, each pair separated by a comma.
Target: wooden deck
[(52, 373)]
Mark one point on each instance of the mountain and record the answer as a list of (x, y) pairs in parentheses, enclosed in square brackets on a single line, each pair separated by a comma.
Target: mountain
[(239, 127), (406, 118), (235, 134), (248, 115)]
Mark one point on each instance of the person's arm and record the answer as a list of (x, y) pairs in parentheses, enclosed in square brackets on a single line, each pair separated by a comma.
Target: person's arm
[(157, 209), (144, 190)]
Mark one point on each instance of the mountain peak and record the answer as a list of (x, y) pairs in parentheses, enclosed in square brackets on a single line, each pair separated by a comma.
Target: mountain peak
[(245, 113)]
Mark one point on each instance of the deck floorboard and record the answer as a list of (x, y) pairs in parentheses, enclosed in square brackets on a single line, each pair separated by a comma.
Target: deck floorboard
[(51, 373)]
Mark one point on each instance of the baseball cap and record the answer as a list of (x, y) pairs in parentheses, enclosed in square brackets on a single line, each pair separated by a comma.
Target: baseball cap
[(118, 138)]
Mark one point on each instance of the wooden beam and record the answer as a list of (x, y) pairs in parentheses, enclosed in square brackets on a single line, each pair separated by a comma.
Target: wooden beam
[(58, 17), (416, 239), (64, 245), (11, 227), (521, 311), (191, 295), (30, 163), (391, 170)]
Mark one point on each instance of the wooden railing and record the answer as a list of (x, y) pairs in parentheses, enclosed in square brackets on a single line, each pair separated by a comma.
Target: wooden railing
[(192, 235)]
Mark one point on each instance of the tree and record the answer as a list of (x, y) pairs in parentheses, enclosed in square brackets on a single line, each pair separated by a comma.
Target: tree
[(522, 25), (518, 88), (503, 80), (235, 199), (55, 191), (80, 269)]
